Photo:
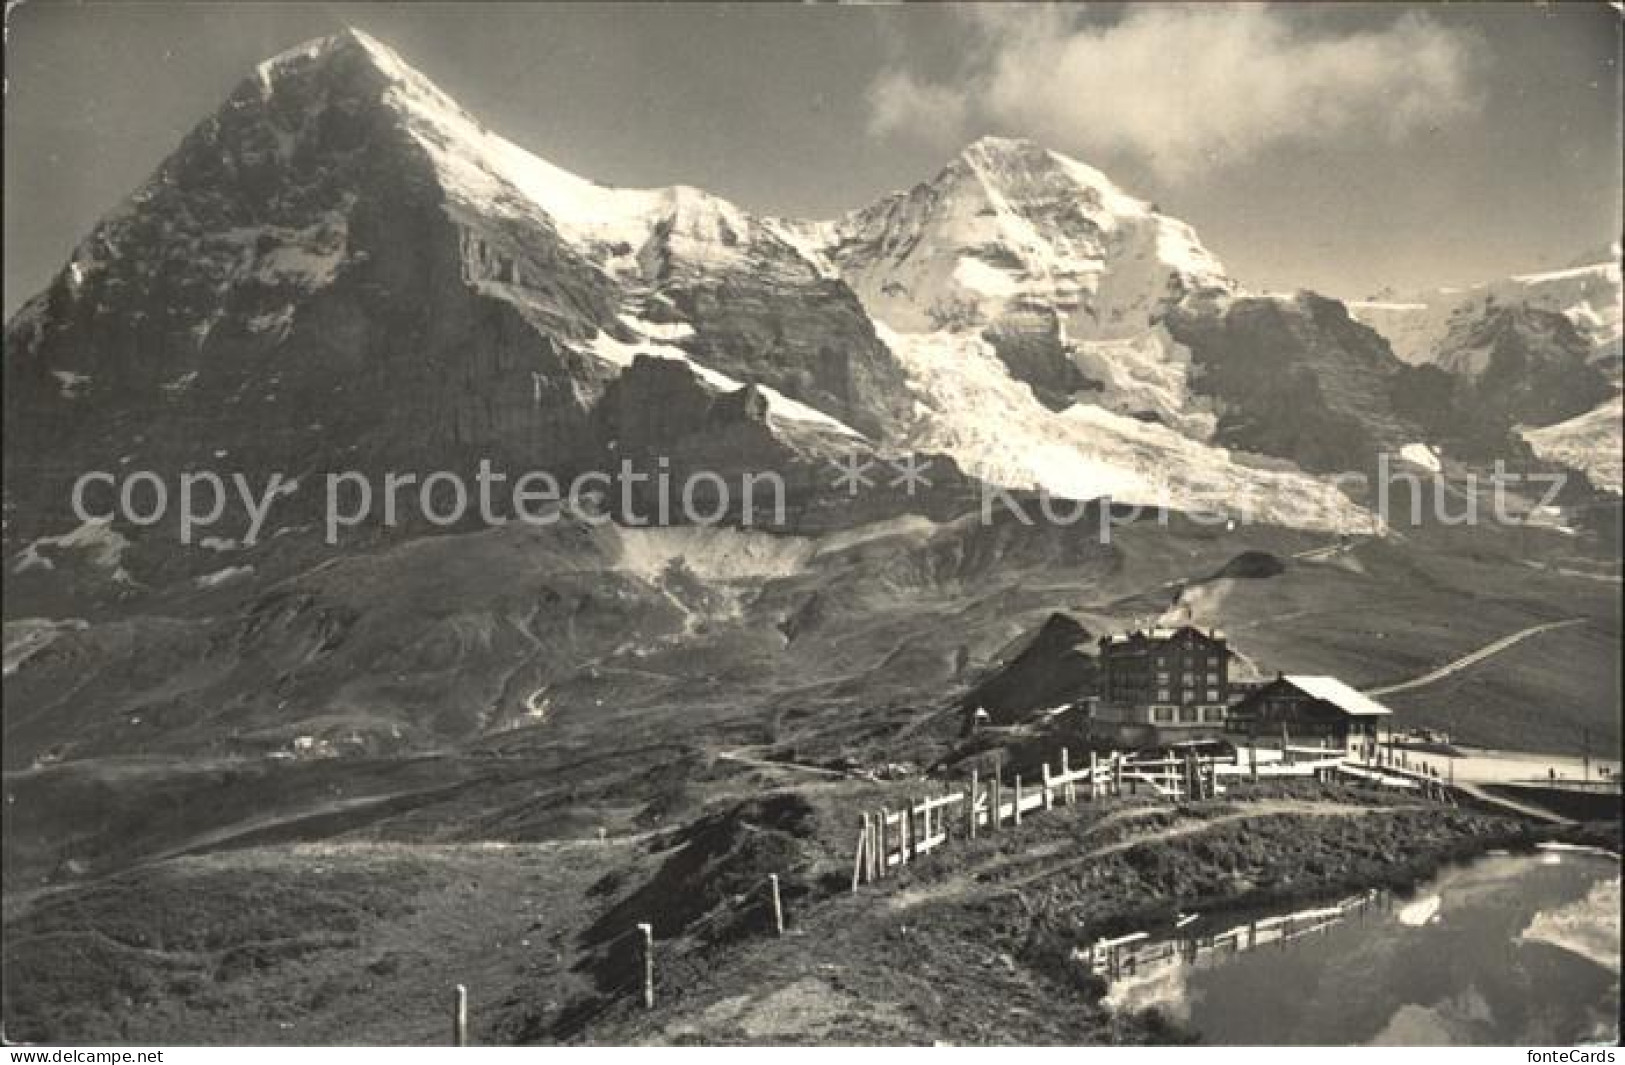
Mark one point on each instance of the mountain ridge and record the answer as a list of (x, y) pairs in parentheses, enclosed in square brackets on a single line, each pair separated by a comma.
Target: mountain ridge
[(341, 203), (341, 271)]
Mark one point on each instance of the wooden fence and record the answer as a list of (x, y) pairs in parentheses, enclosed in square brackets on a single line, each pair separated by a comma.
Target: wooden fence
[(890, 838)]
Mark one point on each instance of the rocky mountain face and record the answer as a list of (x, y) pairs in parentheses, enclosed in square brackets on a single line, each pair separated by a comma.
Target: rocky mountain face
[(1295, 377), (292, 290), (1589, 442), (1513, 366), (341, 271), (1421, 327), (1519, 357), (1009, 233)]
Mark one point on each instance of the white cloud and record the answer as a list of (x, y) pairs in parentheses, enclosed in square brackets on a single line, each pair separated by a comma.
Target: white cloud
[(899, 103), (1186, 87)]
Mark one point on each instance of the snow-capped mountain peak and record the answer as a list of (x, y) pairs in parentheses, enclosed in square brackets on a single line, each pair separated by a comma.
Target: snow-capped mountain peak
[(342, 219), (1009, 227), (1420, 326)]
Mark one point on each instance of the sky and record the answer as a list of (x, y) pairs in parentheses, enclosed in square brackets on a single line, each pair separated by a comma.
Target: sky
[(1345, 148)]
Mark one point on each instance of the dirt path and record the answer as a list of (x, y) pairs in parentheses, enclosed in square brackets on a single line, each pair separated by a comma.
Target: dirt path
[(1321, 554), (762, 763), (1266, 808), (1514, 805), (967, 884), (1472, 659), (237, 831)]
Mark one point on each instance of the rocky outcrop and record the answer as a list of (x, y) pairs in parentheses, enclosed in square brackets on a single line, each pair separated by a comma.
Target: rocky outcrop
[(1054, 668), (295, 291), (1295, 378)]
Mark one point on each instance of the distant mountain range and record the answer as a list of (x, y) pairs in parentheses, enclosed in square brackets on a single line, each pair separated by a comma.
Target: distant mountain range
[(342, 270), (1530, 349)]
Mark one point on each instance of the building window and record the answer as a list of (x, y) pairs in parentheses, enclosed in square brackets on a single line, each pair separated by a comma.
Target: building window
[(1213, 678), (1213, 696), (1162, 678), (1214, 713), (1188, 714), (1162, 713), (1162, 695)]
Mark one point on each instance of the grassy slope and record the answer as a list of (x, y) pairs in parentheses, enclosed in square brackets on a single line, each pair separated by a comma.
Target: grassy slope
[(358, 940), (884, 638)]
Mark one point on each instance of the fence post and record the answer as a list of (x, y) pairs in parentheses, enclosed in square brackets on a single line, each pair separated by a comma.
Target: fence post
[(972, 803), (1094, 776), (996, 801), (884, 855), (1117, 774), (648, 932), (459, 1017), (1066, 772), (862, 854), (778, 906), (1016, 808)]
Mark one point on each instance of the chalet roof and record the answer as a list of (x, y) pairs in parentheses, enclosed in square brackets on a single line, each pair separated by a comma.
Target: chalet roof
[(1162, 633), (1331, 690)]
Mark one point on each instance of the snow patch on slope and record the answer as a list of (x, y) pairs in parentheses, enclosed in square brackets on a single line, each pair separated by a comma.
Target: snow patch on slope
[(227, 575), (26, 637), (617, 228), (1421, 455), (710, 552), (1149, 373), (1593, 443), (96, 538), (621, 354), (72, 383), (1416, 328), (489, 174)]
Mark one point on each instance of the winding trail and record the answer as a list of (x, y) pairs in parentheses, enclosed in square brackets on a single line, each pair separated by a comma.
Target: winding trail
[(763, 763), (1468, 660), (973, 881)]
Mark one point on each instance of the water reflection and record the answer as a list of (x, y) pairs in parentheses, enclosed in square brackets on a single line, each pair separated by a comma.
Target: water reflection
[(1503, 950)]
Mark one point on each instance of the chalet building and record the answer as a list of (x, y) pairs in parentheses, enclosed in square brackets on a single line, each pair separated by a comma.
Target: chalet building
[(1320, 711), (1164, 683)]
